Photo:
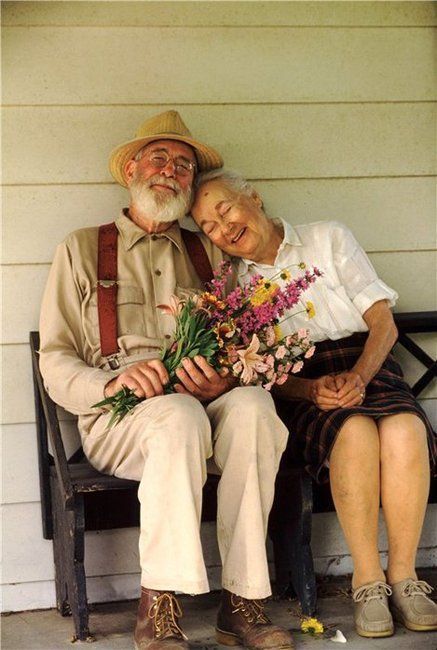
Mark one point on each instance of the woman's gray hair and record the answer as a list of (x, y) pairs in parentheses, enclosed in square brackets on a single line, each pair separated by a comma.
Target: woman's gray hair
[(232, 179)]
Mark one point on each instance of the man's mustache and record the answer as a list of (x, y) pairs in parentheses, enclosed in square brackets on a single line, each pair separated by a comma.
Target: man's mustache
[(157, 179)]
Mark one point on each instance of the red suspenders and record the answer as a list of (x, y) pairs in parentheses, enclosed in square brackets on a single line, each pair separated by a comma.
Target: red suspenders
[(107, 289), (107, 283)]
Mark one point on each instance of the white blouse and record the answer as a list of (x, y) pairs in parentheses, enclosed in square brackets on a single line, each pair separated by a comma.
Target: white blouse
[(348, 287)]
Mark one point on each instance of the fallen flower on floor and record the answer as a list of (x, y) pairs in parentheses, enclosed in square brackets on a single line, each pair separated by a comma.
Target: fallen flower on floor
[(339, 637), (312, 625)]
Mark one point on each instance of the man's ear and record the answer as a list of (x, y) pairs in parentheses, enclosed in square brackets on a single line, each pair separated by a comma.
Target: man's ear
[(129, 170)]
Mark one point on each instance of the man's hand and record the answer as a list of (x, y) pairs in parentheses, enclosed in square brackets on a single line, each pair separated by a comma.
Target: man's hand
[(200, 380), (146, 379), (350, 389), (323, 392)]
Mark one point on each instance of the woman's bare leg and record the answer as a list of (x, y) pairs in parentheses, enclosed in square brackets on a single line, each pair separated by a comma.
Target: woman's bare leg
[(355, 485), (405, 480)]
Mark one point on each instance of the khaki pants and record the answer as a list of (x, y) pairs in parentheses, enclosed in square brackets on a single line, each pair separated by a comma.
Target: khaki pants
[(164, 444)]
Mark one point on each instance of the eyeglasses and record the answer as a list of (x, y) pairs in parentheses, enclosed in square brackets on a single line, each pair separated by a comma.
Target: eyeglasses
[(160, 159)]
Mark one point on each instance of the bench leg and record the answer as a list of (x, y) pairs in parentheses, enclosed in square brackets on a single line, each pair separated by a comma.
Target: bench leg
[(69, 545), (290, 532)]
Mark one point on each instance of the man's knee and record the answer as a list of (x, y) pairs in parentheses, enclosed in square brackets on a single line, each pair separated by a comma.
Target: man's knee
[(254, 423), (182, 423), (250, 401)]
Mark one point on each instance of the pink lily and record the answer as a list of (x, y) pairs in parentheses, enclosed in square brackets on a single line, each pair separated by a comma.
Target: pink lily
[(251, 361), (174, 308)]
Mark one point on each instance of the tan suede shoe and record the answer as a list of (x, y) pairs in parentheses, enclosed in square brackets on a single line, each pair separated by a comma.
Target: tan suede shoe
[(411, 606), (241, 621), (371, 613), (158, 622)]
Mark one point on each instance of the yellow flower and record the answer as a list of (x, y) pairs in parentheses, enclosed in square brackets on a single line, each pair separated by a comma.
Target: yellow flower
[(278, 333), (311, 312), (212, 300), (312, 625), (302, 265), (224, 330), (264, 293), (285, 275)]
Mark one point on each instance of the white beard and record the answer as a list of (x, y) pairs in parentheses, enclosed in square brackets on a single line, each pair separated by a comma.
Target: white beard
[(154, 205)]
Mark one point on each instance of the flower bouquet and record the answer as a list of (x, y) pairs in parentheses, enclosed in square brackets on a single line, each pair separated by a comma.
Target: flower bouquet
[(239, 332)]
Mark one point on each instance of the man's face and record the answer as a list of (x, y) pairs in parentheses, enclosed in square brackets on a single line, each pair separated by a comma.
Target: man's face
[(160, 182), (235, 222)]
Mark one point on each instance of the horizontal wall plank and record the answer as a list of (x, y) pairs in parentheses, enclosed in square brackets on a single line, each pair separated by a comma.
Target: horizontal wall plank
[(20, 479), (403, 272), (380, 211), (17, 390), (26, 555), (219, 13), (57, 210), (16, 283), (72, 145), (62, 66), (399, 270)]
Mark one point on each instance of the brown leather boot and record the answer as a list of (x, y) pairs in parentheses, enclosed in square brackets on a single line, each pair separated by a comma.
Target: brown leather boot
[(157, 622), (241, 621)]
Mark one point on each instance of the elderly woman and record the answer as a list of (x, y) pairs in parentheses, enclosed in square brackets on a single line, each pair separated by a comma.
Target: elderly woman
[(350, 413)]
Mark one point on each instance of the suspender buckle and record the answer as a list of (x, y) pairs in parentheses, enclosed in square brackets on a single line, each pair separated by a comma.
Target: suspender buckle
[(106, 284), (113, 361)]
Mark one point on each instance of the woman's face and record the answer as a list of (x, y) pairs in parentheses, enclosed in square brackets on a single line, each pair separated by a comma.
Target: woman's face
[(235, 222)]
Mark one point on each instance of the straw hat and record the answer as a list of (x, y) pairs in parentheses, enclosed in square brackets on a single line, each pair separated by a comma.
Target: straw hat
[(165, 126)]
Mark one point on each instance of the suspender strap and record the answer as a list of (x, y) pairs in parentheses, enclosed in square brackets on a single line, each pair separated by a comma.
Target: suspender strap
[(107, 280), (107, 288), (198, 255)]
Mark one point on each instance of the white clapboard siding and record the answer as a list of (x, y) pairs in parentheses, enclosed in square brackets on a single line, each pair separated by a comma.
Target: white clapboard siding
[(72, 145), (326, 106), (293, 65), (279, 14), (401, 211)]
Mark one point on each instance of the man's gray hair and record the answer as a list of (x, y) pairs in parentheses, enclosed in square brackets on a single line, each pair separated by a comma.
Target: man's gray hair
[(232, 179)]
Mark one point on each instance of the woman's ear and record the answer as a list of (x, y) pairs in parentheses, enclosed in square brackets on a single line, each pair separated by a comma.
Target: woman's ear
[(256, 197)]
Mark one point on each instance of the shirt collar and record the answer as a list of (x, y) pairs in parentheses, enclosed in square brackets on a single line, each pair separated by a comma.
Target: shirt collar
[(291, 238), (131, 234)]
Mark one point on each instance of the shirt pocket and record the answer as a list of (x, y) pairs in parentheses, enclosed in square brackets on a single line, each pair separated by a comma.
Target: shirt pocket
[(130, 311)]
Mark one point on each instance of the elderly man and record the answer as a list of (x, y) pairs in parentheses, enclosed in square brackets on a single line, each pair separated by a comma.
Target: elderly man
[(101, 330)]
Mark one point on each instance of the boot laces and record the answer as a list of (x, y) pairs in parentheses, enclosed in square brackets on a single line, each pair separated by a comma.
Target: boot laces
[(375, 591), (165, 612), (416, 588), (252, 610)]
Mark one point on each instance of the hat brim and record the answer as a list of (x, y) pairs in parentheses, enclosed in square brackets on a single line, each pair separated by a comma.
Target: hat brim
[(207, 157)]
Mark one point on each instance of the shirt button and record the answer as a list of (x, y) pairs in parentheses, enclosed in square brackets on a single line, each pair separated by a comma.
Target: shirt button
[(167, 336), (157, 272), (153, 237)]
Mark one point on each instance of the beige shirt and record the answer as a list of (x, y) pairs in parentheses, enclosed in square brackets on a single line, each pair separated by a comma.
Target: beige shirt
[(151, 267)]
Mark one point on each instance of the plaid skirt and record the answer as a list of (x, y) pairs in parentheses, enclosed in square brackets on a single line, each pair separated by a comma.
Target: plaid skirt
[(313, 432)]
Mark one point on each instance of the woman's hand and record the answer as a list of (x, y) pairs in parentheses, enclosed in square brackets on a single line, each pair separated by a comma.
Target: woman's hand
[(200, 380), (351, 389), (146, 379), (323, 393)]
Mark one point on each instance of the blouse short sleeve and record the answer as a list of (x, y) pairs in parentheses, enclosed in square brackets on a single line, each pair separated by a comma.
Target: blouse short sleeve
[(356, 272)]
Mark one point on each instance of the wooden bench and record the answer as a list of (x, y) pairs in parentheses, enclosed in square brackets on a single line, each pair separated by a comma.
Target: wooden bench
[(76, 498)]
